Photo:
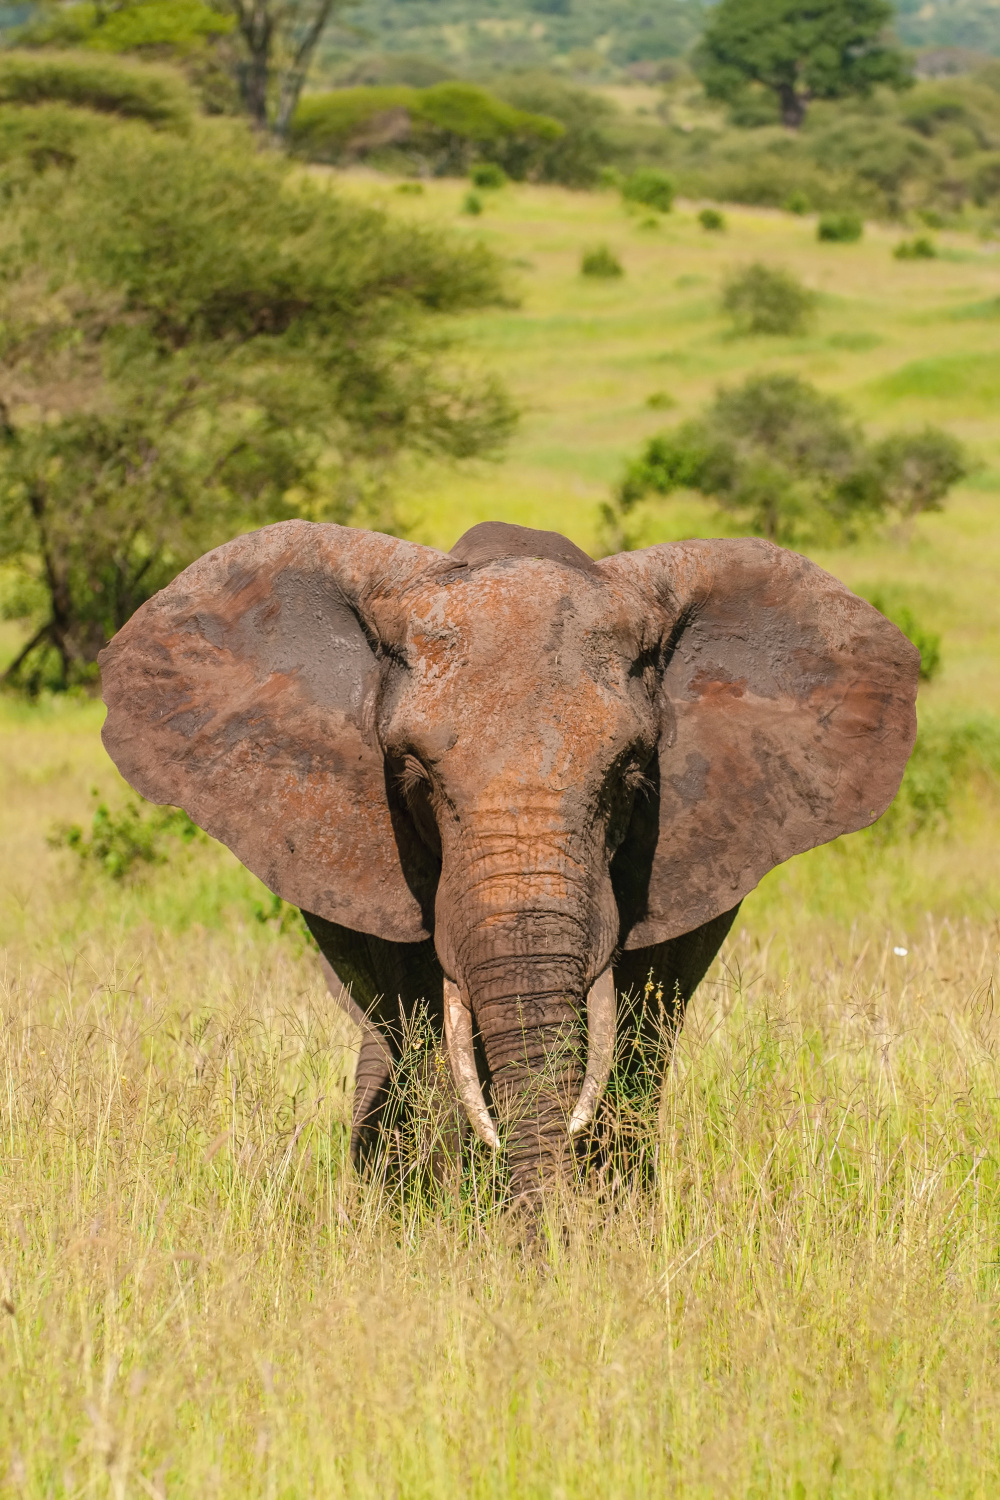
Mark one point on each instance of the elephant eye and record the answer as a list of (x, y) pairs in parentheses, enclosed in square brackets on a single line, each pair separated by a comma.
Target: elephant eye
[(412, 774)]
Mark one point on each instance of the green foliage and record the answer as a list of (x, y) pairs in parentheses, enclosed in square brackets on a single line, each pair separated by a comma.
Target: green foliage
[(840, 229), (156, 95), (577, 157), (472, 204), (797, 202), (921, 247), (236, 347), (651, 187), (789, 464), (894, 603), (446, 126), (797, 51), (712, 220), (763, 299), (177, 26), (488, 175), (917, 469), (948, 755), (601, 262), (132, 835)]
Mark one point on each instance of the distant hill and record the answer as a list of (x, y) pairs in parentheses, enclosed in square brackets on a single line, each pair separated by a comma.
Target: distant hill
[(485, 35), (590, 36), (971, 24)]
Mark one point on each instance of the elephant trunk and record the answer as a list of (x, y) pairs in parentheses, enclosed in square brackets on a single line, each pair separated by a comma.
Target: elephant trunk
[(548, 1043)]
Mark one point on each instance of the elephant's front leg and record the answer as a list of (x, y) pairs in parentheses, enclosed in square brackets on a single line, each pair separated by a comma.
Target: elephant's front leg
[(373, 1072)]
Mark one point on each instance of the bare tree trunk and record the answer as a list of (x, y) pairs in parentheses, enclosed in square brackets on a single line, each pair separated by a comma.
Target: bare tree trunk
[(291, 84), (256, 26), (793, 106)]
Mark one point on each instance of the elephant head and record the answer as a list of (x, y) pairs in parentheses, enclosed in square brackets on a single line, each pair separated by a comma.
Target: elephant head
[(531, 757)]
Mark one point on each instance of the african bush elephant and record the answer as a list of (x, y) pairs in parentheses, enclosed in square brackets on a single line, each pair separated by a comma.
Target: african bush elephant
[(509, 779)]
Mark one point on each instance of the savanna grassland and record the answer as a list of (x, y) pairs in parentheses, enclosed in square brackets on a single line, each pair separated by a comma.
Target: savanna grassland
[(198, 1297)]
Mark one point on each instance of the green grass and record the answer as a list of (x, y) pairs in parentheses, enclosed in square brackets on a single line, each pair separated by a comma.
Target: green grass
[(197, 1297)]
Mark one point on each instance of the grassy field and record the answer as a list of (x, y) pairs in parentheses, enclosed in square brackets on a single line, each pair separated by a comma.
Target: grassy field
[(197, 1299)]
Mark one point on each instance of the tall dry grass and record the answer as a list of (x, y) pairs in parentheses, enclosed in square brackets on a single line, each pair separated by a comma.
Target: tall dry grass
[(200, 1299)]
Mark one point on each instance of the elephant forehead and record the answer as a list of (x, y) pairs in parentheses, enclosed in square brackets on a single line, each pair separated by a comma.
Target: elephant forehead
[(524, 610)]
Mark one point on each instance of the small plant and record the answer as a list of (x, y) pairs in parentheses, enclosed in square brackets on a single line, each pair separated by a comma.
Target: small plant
[(120, 840), (650, 187), (841, 229), (712, 220), (922, 247), (661, 401), (410, 187), (601, 262), (797, 203), (488, 175), (472, 204), (892, 602), (766, 299)]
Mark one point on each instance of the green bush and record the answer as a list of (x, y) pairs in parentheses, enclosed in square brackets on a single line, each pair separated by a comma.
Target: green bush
[(472, 204), (712, 220), (922, 247), (601, 262), (797, 203), (917, 469), (132, 835), (948, 754), (841, 229), (766, 299), (447, 125), (651, 187), (155, 95), (488, 175), (892, 602), (180, 26), (578, 157)]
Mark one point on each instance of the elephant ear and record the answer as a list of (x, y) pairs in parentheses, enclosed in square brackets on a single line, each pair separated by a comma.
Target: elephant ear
[(787, 718), (238, 693)]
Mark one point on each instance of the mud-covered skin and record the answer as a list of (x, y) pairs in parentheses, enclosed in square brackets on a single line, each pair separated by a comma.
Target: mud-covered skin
[(525, 760)]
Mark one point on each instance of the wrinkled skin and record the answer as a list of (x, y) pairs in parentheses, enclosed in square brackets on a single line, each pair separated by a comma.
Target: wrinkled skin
[(557, 766)]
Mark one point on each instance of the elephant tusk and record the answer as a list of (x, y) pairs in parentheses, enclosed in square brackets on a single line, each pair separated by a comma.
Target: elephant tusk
[(462, 1060), (601, 1018)]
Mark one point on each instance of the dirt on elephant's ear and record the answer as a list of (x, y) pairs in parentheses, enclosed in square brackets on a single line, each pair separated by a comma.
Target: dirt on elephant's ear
[(791, 711)]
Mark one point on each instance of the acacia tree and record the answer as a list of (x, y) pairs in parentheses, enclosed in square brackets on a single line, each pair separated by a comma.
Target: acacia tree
[(280, 38), (237, 348), (798, 50)]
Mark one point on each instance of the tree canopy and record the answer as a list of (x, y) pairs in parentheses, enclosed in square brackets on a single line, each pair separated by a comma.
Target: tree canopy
[(798, 51), (791, 464), (237, 347)]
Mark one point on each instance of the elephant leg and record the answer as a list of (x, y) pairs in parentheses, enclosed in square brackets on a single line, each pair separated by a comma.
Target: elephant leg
[(380, 985), (373, 1070), (656, 984)]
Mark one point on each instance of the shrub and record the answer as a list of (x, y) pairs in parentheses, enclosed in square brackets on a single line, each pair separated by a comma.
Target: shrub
[(797, 202), (118, 841), (651, 187), (472, 204), (843, 228), (579, 156), (892, 602), (767, 299), (182, 26), (922, 247), (712, 220), (917, 469), (447, 124), (488, 175), (601, 262), (156, 95)]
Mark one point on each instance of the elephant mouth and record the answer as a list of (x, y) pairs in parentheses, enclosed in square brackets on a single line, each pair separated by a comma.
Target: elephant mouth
[(601, 1015)]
